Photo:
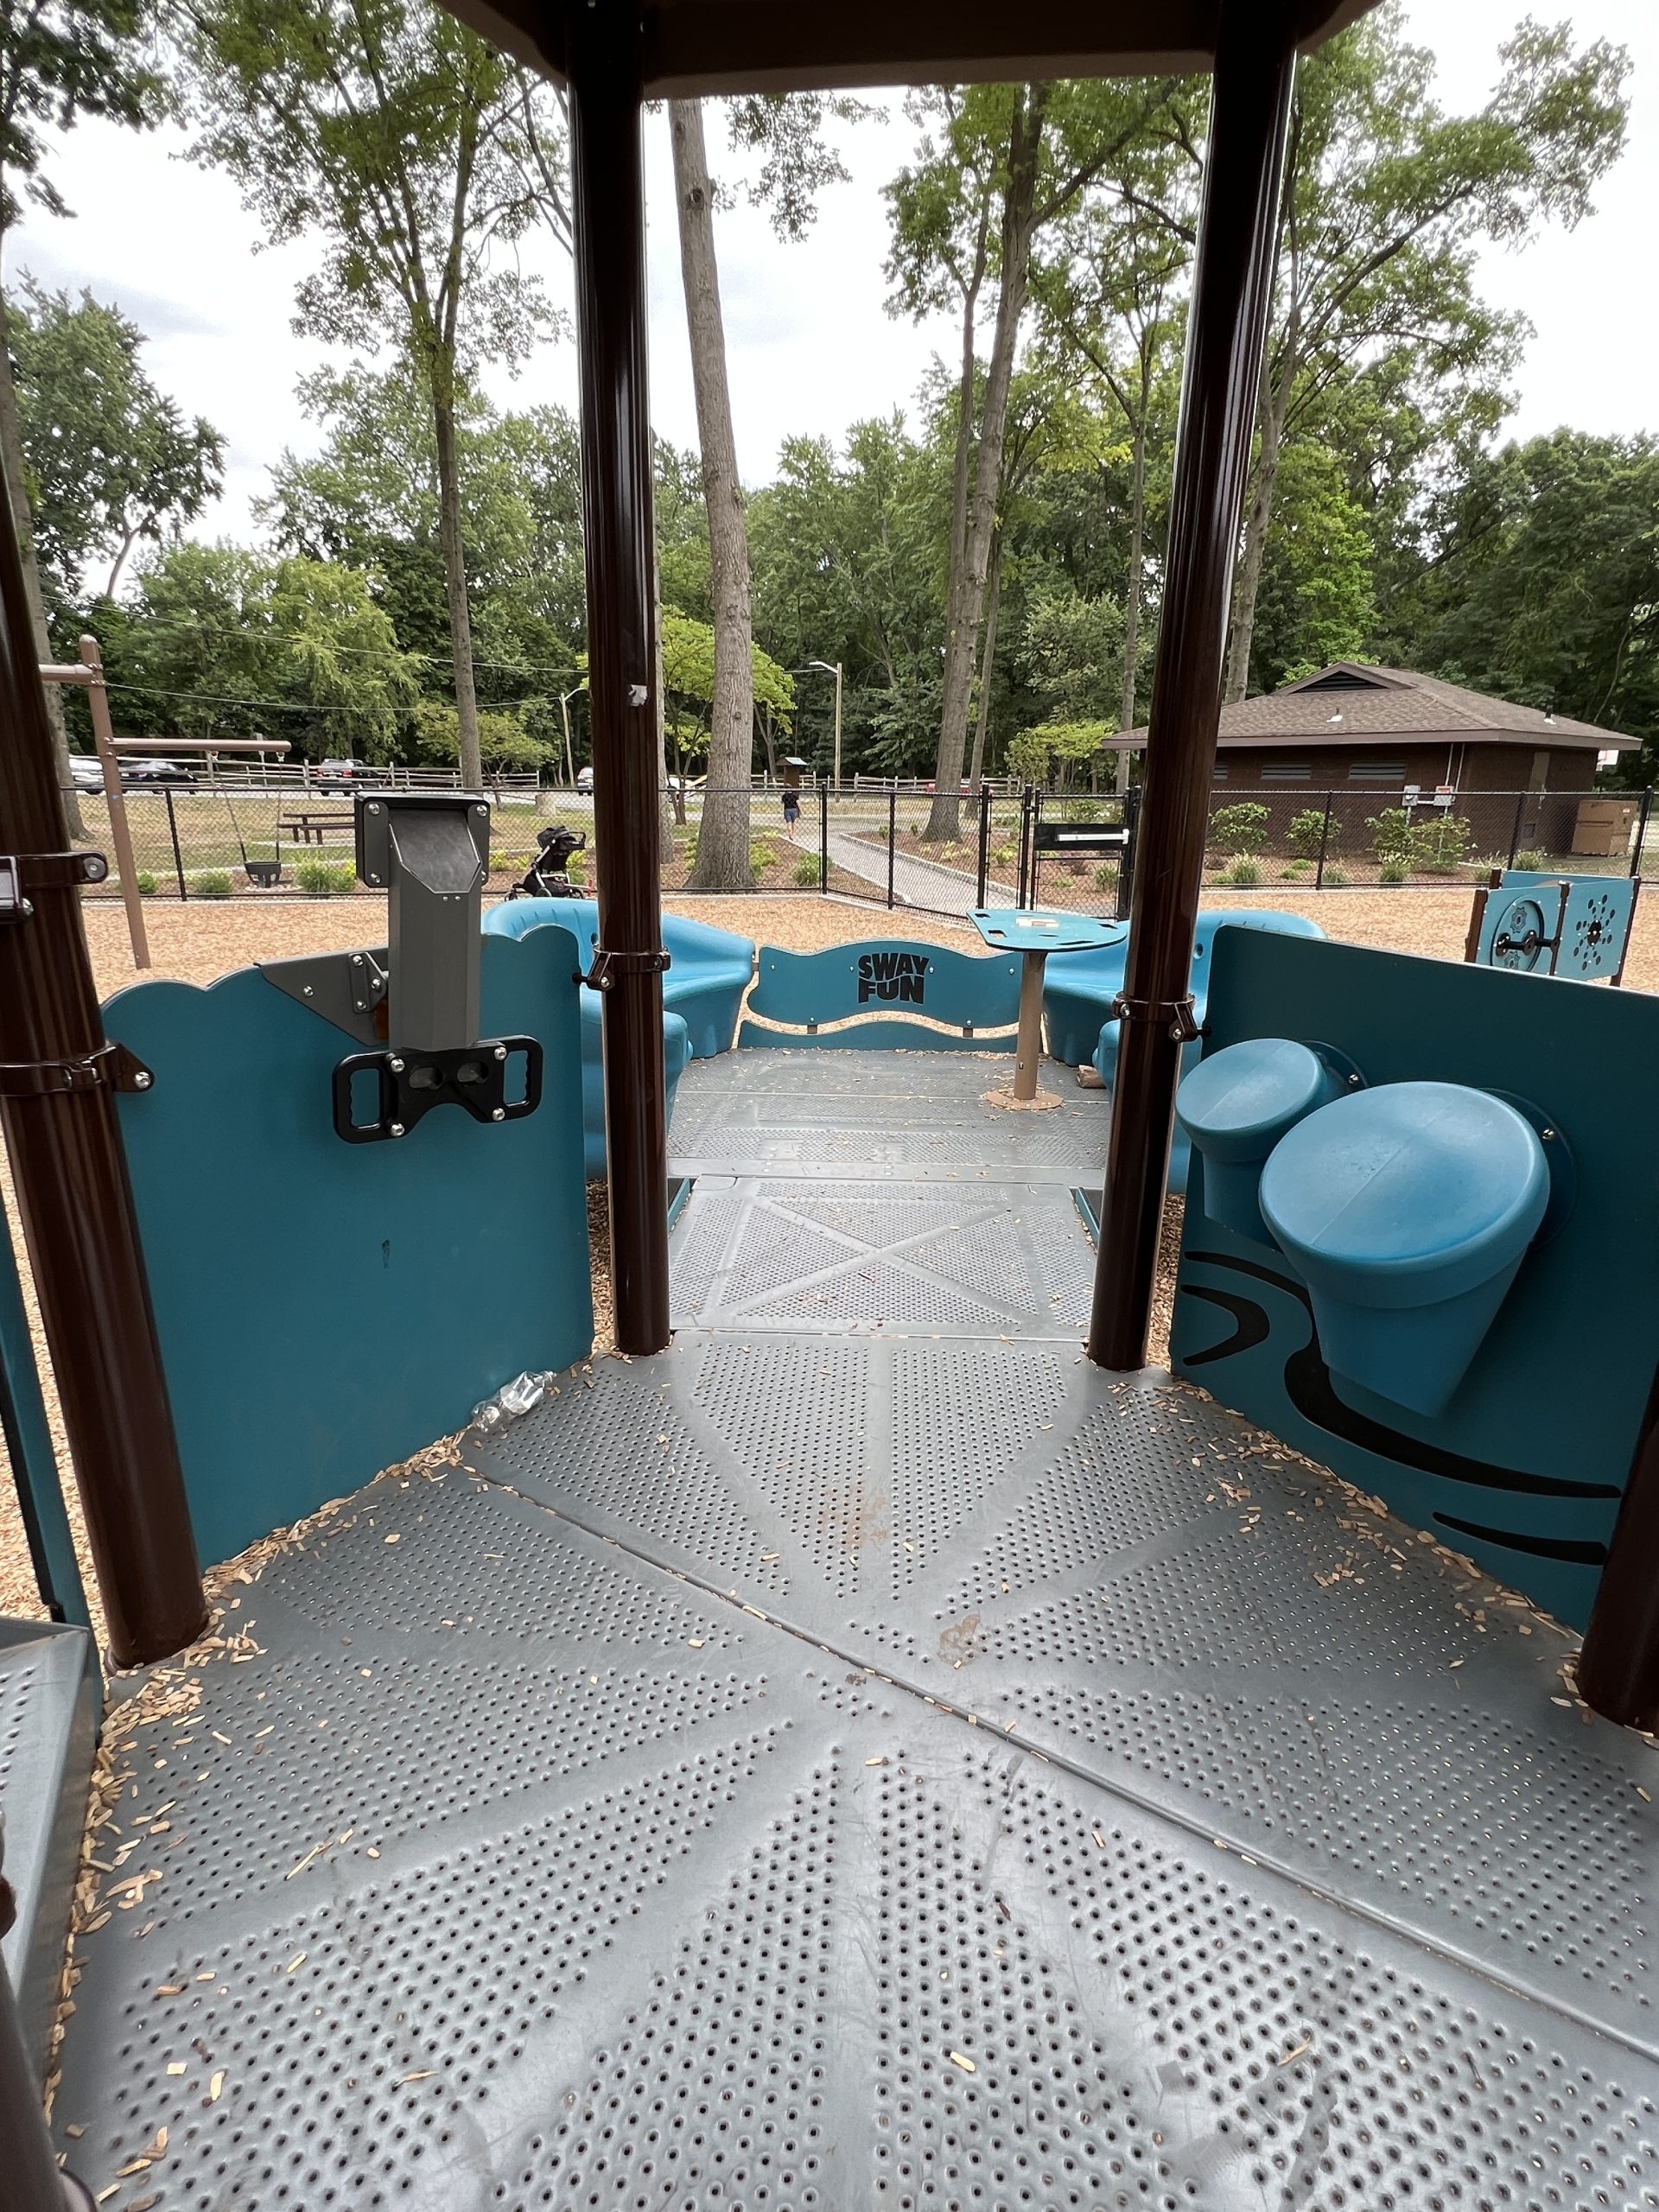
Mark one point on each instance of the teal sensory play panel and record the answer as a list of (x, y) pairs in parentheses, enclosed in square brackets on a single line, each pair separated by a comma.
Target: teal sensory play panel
[(325, 1308), (1577, 927), (1523, 1463), (885, 996)]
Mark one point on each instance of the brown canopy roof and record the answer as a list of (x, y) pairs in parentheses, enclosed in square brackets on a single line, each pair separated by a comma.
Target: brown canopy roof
[(1351, 702), (733, 46)]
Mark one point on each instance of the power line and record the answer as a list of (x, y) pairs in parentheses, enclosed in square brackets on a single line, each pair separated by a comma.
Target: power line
[(373, 653), (299, 707)]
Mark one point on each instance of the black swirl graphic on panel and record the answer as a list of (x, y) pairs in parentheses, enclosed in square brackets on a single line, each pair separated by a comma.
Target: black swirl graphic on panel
[(1309, 1387)]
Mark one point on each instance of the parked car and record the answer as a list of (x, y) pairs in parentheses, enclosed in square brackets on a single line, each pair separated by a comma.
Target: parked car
[(967, 790), (87, 772), (585, 778), (143, 769), (336, 775)]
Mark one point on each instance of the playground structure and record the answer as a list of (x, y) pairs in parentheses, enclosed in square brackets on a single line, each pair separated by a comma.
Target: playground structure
[(848, 1749), (1541, 924)]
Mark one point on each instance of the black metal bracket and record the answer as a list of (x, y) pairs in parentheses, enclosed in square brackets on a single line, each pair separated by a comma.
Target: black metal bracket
[(111, 1066), (608, 965), (411, 1083), (1178, 1012), (22, 872)]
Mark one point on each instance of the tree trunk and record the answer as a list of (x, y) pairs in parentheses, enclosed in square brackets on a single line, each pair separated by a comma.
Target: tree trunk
[(1126, 717), (987, 661), (1263, 478), (454, 585), (973, 552), (11, 443), (723, 839)]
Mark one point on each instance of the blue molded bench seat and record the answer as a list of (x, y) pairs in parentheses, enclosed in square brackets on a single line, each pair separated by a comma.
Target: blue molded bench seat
[(705, 985), (1080, 986), (518, 917)]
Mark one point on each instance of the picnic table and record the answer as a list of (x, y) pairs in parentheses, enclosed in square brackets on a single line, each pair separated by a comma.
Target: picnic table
[(310, 825)]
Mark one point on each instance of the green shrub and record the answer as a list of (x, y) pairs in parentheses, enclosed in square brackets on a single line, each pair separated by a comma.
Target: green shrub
[(1337, 878), (1390, 834), (806, 873), (1307, 832), (324, 878), (211, 883), (1297, 871), (1005, 856), (1438, 846), (1240, 830), (1393, 871), (760, 856), (1532, 863), (146, 883), (1243, 872), (1106, 876)]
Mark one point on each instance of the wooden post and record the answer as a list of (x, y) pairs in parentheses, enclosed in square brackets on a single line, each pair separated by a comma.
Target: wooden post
[(89, 670), (57, 1103), (1232, 290), (609, 221)]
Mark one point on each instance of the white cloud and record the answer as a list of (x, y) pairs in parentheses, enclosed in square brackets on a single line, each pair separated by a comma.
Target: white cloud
[(810, 345)]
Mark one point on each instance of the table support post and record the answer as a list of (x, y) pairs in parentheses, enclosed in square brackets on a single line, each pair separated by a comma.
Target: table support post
[(1028, 1050)]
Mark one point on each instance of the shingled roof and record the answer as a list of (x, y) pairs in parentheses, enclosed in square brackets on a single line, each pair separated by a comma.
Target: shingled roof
[(1351, 702)]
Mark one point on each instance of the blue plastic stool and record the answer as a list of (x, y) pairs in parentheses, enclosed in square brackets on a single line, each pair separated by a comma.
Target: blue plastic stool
[(1408, 1210), (1236, 1106)]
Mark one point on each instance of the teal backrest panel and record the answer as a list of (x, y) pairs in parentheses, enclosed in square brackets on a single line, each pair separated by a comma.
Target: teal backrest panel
[(1525, 1467), (325, 1308), (889, 994)]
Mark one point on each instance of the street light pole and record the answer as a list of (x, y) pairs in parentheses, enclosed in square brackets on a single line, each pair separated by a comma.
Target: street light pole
[(833, 668), (564, 713)]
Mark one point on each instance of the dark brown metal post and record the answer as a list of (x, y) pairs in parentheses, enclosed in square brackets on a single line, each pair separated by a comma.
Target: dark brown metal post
[(1619, 1667), (609, 210), (57, 1109), (1233, 288)]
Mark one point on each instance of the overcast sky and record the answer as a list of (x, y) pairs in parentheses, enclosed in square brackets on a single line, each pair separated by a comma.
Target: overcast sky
[(809, 346)]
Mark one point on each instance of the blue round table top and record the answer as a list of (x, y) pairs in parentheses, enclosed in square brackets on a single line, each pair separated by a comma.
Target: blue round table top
[(1017, 929)]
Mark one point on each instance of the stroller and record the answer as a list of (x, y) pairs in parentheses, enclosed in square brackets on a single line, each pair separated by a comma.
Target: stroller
[(546, 876)]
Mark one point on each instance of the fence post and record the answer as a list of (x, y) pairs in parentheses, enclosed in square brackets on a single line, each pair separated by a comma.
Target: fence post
[(823, 836), (983, 874), (173, 832), (1126, 866), (1515, 834), (893, 835), (1325, 839), (1641, 830)]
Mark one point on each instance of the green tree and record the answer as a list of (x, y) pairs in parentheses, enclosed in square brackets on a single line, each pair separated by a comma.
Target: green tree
[(370, 498), (1315, 604), (690, 677), (1386, 199), (416, 157), (110, 459), (1072, 655), (59, 60), (222, 641), (996, 164), (1541, 585)]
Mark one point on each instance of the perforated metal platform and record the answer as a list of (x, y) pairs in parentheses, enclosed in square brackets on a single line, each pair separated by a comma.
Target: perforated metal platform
[(834, 1767)]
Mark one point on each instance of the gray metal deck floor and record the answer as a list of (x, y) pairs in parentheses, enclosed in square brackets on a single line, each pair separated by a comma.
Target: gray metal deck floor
[(840, 1767)]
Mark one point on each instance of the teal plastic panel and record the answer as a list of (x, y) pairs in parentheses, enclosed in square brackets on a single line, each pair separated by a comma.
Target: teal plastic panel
[(34, 1464), (324, 1308), (866, 986), (1525, 1467)]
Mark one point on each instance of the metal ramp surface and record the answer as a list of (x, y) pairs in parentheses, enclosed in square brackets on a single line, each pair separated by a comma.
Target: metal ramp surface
[(865, 1760)]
